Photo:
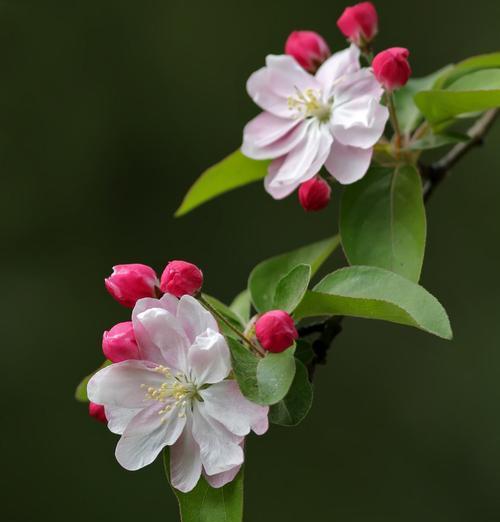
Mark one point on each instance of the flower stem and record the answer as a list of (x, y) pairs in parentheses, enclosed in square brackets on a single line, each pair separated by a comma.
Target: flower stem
[(241, 335), (394, 119)]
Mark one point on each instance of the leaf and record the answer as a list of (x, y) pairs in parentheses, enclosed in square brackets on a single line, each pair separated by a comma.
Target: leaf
[(81, 389), (434, 141), (226, 312), (207, 504), (233, 171), (262, 380), (303, 351), (470, 65), (296, 405), (382, 221), (480, 80), (408, 113), (292, 287), (265, 276), (241, 306), (374, 293)]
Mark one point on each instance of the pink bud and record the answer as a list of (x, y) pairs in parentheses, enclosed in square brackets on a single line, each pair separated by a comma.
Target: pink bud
[(314, 194), (119, 344), (97, 411), (128, 283), (308, 48), (180, 278), (391, 68), (359, 23), (275, 331)]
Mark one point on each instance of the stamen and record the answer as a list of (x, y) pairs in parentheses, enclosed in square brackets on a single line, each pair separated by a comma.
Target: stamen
[(308, 104)]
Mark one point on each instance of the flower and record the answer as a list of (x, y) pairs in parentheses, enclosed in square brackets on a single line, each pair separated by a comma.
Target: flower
[(131, 282), (359, 23), (391, 68), (119, 344), (333, 119), (177, 394), (180, 278), (275, 331), (308, 48), (314, 194), (97, 412)]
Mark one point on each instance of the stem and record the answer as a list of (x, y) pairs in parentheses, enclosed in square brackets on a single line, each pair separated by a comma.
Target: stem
[(247, 341), (394, 119)]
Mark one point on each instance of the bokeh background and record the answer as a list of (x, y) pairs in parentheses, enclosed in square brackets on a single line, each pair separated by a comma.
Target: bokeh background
[(109, 110)]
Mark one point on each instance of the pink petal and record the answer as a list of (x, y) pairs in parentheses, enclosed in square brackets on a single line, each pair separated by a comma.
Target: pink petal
[(359, 84), (338, 65), (209, 359), (194, 318), (119, 418), (221, 479), (348, 164)]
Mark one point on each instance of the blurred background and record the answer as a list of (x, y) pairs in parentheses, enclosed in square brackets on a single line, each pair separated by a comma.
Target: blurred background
[(109, 110)]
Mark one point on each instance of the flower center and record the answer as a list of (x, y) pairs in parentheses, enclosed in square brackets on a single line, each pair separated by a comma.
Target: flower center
[(176, 391), (308, 104)]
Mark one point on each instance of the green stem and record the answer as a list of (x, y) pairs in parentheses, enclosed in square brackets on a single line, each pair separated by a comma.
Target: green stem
[(394, 119)]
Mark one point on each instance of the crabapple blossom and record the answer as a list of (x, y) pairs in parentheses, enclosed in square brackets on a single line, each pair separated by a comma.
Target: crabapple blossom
[(308, 48), (97, 412), (275, 331), (131, 282), (391, 68), (180, 278), (359, 23), (333, 118), (119, 344), (178, 394), (314, 194)]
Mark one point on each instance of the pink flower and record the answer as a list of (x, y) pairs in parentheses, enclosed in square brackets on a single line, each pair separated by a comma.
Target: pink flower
[(97, 412), (359, 23), (391, 68), (333, 119), (275, 331), (181, 278), (128, 283), (119, 344), (314, 194), (178, 394), (308, 48)]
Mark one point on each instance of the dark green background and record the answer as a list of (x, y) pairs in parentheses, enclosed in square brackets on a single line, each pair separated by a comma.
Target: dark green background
[(109, 110)]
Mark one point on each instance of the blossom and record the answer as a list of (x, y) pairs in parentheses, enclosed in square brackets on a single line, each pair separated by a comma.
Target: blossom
[(275, 331), (308, 48), (359, 23), (180, 278), (333, 118), (97, 412), (314, 194), (391, 68), (119, 344), (131, 282), (177, 394)]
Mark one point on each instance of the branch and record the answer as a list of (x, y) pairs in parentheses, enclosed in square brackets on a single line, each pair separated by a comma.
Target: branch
[(434, 174)]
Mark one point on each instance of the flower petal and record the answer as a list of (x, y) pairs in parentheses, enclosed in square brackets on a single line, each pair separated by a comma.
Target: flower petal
[(225, 403), (146, 435), (220, 449), (209, 359), (185, 459), (221, 479), (338, 65), (194, 318), (119, 418), (120, 384), (348, 164)]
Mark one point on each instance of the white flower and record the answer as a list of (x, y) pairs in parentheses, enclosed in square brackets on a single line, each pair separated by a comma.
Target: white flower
[(333, 119), (177, 395)]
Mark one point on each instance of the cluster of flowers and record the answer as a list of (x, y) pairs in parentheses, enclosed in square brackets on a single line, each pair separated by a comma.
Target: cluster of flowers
[(169, 382), (322, 109)]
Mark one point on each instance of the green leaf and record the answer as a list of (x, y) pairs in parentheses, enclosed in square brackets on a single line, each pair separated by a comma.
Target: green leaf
[(262, 380), (81, 389), (434, 141), (374, 293), (480, 80), (226, 312), (408, 113), (234, 171), (241, 306), (291, 288), (296, 405), (382, 221), (470, 65), (207, 504), (265, 276), (303, 351)]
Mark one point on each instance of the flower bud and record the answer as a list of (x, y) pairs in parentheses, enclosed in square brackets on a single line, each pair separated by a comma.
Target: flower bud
[(275, 331), (128, 283), (359, 23), (180, 278), (308, 48), (119, 344), (97, 411), (314, 194), (391, 68)]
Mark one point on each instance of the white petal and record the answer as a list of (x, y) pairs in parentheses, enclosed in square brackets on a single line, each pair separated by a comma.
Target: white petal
[(148, 350), (220, 449), (209, 359), (221, 479), (161, 330), (120, 384), (119, 418), (146, 435), (360, 122), (337, 66), (348, 164), (185, 460), (356, 85), (225, 403), (194, 318)]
